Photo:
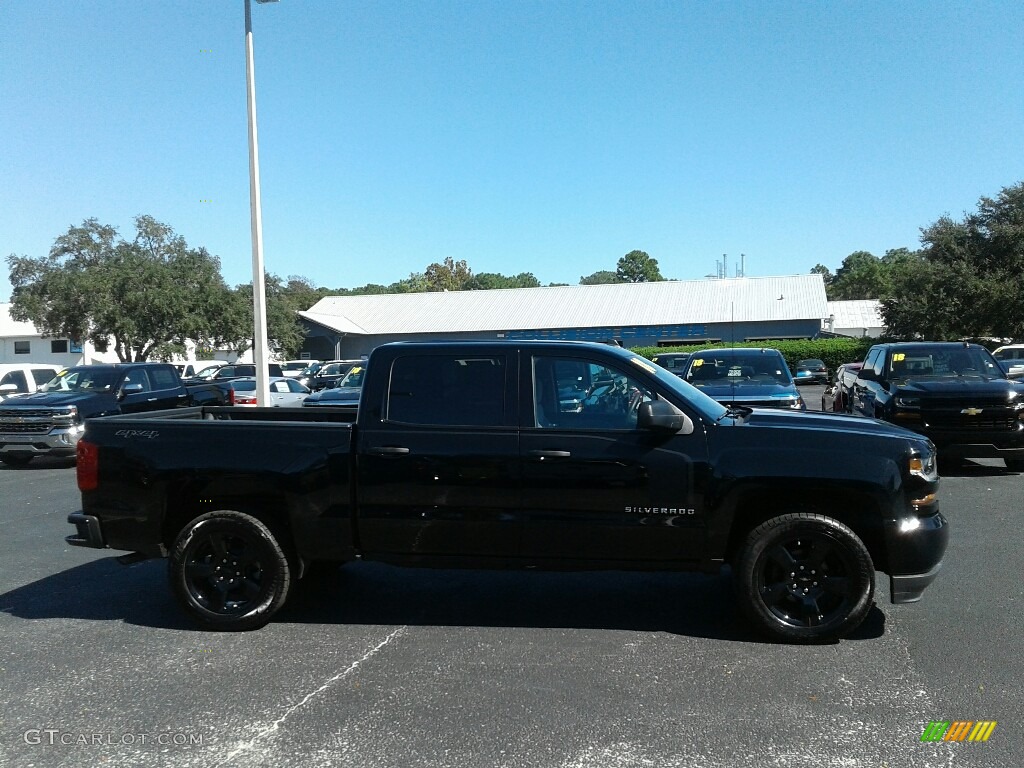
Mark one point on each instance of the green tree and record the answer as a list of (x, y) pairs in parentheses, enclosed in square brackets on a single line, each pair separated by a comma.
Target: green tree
[(861, 276), (149, 295), (285, 334), (490, 280), (826, 275), (604, 277), (638, 267), (968, 280), (449, 276)]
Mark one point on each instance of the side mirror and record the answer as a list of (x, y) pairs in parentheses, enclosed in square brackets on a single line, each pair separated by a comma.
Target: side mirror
[(8, 389), (129, 389), (662, 416), (868, 374)]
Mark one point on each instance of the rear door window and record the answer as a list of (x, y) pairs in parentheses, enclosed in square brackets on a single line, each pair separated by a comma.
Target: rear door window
[(163, 378), (455, 390), (17, 378)]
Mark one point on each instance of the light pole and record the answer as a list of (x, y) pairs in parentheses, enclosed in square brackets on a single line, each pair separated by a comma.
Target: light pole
[(260, 352)]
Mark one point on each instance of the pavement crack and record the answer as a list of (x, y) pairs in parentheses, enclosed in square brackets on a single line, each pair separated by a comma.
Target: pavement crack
[(266, 732)]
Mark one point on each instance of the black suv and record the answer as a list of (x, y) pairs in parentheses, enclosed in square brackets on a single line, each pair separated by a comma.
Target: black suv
[(955, 393)]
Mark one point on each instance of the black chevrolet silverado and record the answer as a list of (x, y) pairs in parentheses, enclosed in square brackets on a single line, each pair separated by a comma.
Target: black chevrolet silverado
[(50, 421), (550, 455), (954, 393)]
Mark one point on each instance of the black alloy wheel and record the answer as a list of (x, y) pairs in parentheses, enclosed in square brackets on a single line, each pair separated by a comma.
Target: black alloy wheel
[(229, 572), (805, 578)]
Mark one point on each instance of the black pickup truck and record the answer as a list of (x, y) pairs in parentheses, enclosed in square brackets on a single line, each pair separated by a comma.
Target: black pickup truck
[(549, 455), (50, 421), (954, 393)]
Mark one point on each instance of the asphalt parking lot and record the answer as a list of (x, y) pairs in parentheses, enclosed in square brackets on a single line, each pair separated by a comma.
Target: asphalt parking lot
[(381, 666)]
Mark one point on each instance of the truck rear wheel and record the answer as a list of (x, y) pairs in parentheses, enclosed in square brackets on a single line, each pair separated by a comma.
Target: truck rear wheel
[(805, 578), (229, 572)]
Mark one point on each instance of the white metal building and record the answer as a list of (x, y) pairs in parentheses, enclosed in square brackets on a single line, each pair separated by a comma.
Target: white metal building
[(855, 318), (22, 343), (665, 313)]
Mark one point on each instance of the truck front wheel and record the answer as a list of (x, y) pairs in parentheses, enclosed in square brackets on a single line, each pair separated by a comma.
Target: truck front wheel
[(804, 578), (228, 571)]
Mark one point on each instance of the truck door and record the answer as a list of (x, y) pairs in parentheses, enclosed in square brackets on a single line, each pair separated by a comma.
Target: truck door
[(595, 487), (438, 456), (146, 390)]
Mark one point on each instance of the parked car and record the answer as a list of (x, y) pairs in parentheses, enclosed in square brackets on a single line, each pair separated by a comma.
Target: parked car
[(460, 455), (1011, 360), (344, 394), (188, 369), (238, 371), (673, 361), (50, 421), (24, 378), (284, 392), (745, 376), (836, 397), (811, 371), (952, 392), (295, 368), (206, 370), (327, 374)]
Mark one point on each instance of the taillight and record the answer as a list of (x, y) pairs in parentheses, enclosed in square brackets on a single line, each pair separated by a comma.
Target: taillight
[(240, 399), (88, 468)]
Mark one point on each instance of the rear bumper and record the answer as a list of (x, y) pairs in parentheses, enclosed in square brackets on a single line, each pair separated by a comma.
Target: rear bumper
[(87, 531)]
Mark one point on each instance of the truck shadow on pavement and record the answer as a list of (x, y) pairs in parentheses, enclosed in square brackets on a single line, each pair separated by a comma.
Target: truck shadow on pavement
[(374, 594), (687, 604)]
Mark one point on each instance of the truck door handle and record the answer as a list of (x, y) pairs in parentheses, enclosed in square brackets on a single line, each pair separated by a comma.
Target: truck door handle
[(388, 450), (550, 454)]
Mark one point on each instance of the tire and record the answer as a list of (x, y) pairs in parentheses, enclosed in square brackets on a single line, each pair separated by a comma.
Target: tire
[(249, 584), (13, 460), (804, 578)]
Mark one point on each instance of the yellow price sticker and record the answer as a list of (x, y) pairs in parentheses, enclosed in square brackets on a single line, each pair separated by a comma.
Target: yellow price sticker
[(898, 357), (698, 363)]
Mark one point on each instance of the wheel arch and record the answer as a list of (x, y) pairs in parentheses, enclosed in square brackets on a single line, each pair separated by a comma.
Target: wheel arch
[(261, 501), (860, 510)]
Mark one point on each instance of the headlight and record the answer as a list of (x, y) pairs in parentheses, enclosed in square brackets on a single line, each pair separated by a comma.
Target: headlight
[(908, 402), (924, 466)]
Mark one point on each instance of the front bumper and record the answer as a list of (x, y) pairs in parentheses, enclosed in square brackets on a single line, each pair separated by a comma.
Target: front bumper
[(60, 441), (915, 546)]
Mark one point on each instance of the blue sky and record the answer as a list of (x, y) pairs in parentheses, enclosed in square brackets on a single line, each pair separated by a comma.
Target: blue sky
[(543, 137)]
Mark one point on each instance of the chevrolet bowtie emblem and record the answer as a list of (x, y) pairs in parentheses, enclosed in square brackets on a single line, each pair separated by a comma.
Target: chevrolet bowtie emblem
[(972, 411)]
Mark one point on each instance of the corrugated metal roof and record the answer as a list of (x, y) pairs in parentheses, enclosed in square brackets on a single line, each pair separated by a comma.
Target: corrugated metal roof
[(862, 313), (745, 299)]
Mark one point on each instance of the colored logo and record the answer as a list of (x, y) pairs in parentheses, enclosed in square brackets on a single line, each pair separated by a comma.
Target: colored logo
[(959, 730)]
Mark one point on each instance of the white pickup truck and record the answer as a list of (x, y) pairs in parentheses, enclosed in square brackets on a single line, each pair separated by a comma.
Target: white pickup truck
[(25, 378)]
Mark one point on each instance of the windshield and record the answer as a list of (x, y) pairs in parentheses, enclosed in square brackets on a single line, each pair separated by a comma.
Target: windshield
[(82, 380), (706, 405), (942, 362), (311, 369), (718, 367), (353, 378), (208, 372)]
